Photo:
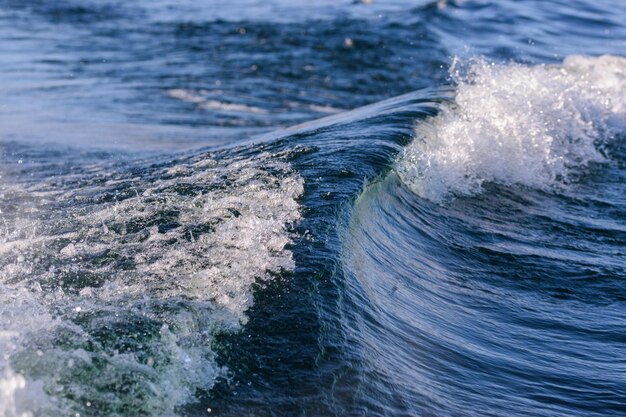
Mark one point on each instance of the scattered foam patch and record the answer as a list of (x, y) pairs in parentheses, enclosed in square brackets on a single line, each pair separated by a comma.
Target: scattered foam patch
[(514, 124), (208, 104), (114, 284)]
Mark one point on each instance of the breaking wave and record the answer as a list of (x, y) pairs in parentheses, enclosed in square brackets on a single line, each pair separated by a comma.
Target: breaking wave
[(123, 278), (535, 126)]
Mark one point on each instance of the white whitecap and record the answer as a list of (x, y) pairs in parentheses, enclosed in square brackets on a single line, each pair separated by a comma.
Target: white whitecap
[(517, 124), (179, 285)]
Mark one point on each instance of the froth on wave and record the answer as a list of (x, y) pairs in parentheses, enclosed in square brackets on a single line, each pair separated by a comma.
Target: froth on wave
[(513, 124), (113, 284)]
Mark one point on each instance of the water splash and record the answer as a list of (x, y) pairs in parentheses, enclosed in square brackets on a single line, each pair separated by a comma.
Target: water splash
[(514, 124), (113, 287)]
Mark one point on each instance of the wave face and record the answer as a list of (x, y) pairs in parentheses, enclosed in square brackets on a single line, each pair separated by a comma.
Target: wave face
[(129, 288), (182, 235)]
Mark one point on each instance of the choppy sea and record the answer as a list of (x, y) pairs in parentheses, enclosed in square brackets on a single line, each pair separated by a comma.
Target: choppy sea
[(312, 208)]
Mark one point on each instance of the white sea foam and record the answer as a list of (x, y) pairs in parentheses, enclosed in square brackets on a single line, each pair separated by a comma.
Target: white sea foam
[(12, 389), (515, 124), (22, 316), (127, 278), (208, 104)]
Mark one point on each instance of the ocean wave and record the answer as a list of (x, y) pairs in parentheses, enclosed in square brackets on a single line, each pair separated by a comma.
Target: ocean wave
[(535, 126), (123, 283)]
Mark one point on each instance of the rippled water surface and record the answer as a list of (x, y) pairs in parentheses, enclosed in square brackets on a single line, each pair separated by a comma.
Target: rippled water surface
[(372, 208)]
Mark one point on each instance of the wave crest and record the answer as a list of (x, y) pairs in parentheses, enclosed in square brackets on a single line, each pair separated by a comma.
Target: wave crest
[(515, 124)]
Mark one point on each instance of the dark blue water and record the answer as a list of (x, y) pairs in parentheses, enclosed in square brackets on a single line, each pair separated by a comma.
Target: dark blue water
[(254, 208)]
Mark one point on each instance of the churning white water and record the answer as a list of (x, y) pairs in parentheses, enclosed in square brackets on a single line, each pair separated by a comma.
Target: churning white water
[(110, 283), (515, 124)]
